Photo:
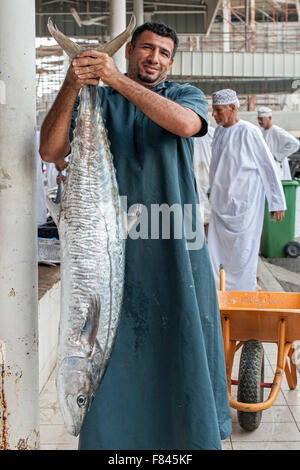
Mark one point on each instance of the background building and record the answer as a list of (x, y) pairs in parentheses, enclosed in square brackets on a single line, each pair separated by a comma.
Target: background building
[(249, 45)]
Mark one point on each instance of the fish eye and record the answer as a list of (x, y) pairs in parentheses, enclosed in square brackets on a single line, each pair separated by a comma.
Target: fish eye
[(81, 401)]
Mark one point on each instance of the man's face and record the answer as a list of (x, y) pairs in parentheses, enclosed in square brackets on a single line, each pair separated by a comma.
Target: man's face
[(150, 58), (265, 122), (222, 114)]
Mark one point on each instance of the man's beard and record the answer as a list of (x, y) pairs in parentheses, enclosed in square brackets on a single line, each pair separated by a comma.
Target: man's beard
[(146, 78)]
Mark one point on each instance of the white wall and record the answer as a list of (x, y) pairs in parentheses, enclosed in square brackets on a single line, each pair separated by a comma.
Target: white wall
[(288, 121), (49, 313)]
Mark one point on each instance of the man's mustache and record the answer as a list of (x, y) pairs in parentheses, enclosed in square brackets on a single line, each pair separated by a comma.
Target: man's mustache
[(151, 65)]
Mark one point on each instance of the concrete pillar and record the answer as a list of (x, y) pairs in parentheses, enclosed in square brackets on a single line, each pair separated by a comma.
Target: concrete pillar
[(19, 385), (117, 26), (138, 10), (247, 25), (252, 44), (226, 24), (298, 9), (252, 24)]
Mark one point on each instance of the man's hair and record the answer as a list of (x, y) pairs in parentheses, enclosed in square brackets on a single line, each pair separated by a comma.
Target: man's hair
[(158, 28)]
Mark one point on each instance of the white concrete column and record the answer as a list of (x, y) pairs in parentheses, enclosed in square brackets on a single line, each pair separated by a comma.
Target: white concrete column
[(19, 385), (117, 26), (226, 5), (298, 8), (252, 24), (138, 10)]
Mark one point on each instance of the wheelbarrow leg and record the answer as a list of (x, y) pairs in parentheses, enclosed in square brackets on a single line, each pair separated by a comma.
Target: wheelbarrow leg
[(291, 372), (229, 362), (229, 350)]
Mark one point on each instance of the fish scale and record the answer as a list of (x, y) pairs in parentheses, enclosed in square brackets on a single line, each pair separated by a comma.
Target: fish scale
[(91, 182)]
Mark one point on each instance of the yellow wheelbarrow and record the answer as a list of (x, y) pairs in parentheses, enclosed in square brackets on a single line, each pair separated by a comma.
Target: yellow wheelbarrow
[(248, 320)]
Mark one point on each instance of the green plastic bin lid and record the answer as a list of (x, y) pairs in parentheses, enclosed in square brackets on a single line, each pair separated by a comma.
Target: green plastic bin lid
[(293, 182)]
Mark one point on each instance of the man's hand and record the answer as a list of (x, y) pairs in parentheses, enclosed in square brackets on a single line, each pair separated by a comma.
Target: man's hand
[(61, 165), (73, 81), (278, 215), (90, 66)]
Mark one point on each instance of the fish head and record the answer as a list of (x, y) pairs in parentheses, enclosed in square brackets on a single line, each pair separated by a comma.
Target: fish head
[(75, 393)]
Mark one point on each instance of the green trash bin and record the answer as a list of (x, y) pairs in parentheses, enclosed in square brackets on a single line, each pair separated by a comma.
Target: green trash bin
[(278, 238)]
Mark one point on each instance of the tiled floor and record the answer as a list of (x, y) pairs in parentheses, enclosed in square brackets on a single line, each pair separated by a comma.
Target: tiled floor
[(279, 429), (53, 433), (280, 425)]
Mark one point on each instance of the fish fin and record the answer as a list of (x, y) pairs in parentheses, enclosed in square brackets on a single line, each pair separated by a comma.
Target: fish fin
[(115, 44), (89, 332), (133, 216), (53, 207), (69, 46)]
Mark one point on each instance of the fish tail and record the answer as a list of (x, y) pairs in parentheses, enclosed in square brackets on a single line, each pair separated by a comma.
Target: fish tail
[(115, 44), (73, 49), (69, 46)]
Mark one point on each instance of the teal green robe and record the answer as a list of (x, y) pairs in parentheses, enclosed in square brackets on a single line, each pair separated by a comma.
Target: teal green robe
[(165, 385)]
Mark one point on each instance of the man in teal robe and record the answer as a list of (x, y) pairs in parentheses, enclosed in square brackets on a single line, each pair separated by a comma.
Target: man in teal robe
[(165, 386)]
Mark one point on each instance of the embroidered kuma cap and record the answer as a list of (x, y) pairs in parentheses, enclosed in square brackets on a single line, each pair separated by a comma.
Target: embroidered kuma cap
[(263, 111), (224, 97)]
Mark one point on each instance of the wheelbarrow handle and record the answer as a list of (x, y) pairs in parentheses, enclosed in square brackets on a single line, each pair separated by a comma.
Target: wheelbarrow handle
[(222, 278)]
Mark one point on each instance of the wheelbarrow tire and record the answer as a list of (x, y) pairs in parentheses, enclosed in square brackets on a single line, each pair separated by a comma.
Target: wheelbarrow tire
[(292, 249), (251, 374)]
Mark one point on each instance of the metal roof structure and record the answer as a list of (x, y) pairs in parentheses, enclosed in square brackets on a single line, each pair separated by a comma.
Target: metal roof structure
[(250, 44), (90, 18), (243, 86)]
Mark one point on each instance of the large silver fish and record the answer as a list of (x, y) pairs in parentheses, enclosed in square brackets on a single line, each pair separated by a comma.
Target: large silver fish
[(92, 231)]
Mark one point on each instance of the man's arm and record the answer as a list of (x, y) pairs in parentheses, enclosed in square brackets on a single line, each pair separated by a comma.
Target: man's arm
[(286, 144), (164, 112), (54, 138), (266, 166)]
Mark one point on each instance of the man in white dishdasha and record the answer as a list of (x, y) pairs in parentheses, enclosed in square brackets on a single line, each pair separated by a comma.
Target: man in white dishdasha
[(242, 173), (280, 142)]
